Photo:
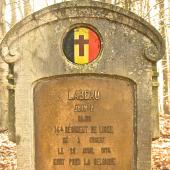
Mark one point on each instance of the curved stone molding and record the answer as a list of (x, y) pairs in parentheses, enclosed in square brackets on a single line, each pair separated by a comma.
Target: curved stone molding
[(4, 52), (152, 53), (84, 9), (34, 50), (10, 55)]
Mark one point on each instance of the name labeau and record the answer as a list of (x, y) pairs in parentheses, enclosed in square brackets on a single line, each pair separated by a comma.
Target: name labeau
[(84, 95)]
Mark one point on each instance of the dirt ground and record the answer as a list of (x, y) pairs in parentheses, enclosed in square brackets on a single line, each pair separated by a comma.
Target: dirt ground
[(160, 149)]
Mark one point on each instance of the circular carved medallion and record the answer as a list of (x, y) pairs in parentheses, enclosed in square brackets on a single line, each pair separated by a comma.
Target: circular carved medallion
[(81, 45)]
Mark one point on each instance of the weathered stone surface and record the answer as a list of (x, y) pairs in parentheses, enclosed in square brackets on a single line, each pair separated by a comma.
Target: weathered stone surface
[(160, 149), (126, 43)]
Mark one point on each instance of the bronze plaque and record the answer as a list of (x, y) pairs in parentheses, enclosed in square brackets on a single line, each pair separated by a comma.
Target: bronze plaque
[(84, 123)]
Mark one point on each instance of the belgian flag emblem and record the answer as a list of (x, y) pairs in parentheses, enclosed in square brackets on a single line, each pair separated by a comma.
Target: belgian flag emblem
[(81, 45)]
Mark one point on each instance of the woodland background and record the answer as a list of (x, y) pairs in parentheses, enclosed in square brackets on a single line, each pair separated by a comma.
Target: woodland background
[(156, 12)]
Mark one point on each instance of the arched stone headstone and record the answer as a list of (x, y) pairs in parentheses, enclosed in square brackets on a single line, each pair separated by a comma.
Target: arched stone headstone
[(80, 87)]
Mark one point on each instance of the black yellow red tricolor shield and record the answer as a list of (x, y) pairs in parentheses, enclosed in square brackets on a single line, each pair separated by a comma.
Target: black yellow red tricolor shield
[(81, 45)]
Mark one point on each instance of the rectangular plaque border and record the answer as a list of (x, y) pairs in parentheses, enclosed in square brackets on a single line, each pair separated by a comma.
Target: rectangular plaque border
[(134, 85)]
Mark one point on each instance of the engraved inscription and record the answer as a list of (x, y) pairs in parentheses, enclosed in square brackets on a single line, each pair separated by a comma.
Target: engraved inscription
[(84, 95), (84, 123)]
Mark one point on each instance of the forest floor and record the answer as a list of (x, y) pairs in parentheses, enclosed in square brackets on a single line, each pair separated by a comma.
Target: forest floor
[(160, 149), (8, 159)]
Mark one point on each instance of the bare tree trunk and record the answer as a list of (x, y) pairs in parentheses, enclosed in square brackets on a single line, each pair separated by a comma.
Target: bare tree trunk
[(46, 2), (2, 19), (168, 55), (20, 9), (161, 17), (13, 12), (27, 7), (169, 14), (164, 60), (3, 74), (33, 5), (141, 8), (148, 8)]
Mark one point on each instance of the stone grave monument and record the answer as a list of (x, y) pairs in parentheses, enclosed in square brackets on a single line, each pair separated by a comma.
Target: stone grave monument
[(80, 88)]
